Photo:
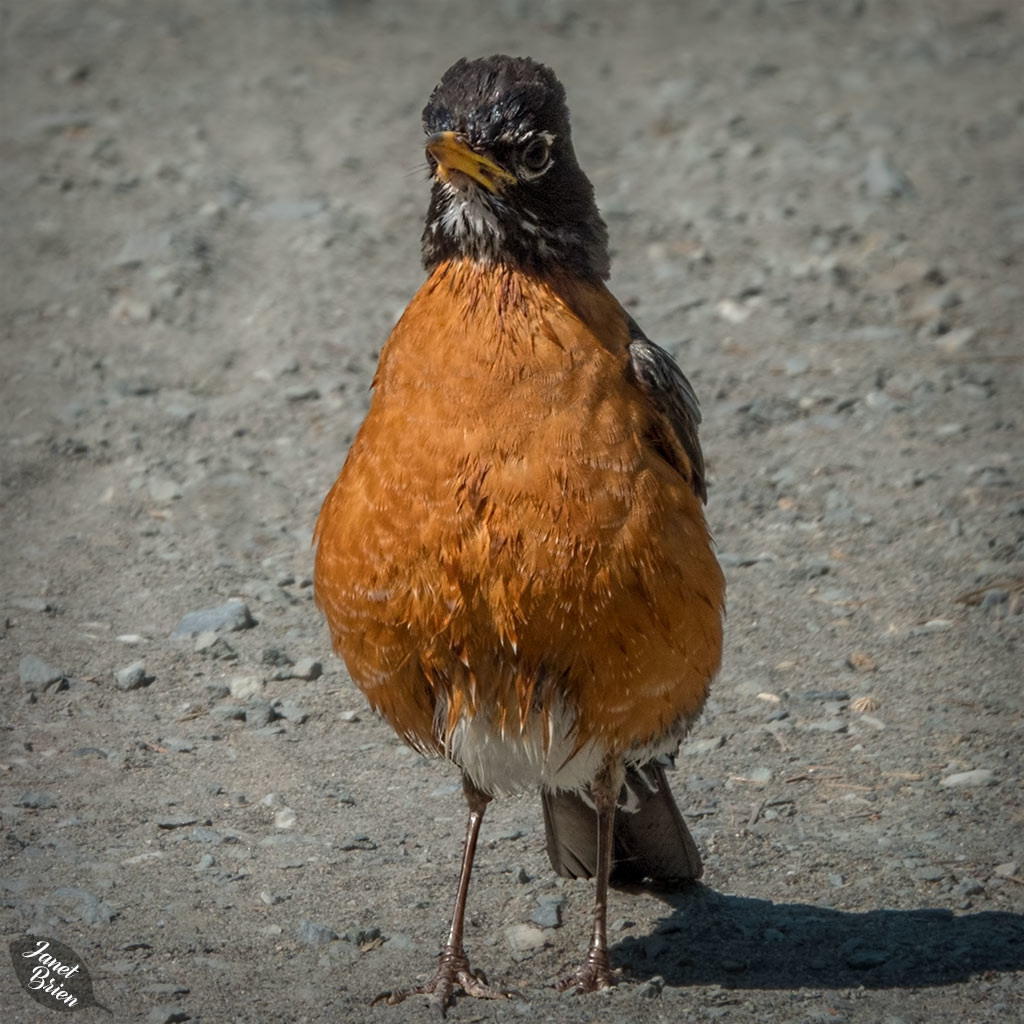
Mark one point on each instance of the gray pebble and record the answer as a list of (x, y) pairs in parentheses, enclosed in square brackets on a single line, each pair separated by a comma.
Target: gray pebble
[(132, 676), (703, 746), (228, 712), (36, 675), (833, 725), (214, 646), (176, 745), (358, 842), (224, 618), (203, 834), (31, 604), (975, 777), (929, 873), (549, 912), (525, 937), (163, 490), (259, 713), (881, 179), (89, 907), (994, 598), (307, 668), (301, 393), (290, 710), (312, 934), (245, 687), (40, 800), (176, 821), (651, 988), (167, 1015)]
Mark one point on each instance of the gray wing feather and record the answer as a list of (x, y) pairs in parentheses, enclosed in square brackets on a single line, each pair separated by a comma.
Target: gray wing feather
[(658, 375)]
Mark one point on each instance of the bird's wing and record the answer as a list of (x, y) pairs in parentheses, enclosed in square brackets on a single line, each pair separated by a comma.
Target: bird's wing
[(658, 376)]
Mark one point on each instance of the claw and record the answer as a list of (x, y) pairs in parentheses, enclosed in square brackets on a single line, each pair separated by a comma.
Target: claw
[(592, 975), (453, 972)]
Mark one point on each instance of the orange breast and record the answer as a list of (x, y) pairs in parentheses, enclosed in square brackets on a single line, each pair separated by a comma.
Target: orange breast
[(502, 538)]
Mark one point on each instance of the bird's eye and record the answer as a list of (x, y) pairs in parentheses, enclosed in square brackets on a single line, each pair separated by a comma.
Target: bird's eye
[(535, 156)]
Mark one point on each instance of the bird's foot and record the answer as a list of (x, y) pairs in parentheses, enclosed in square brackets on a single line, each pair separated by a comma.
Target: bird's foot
[(454, 971), (592, 975)]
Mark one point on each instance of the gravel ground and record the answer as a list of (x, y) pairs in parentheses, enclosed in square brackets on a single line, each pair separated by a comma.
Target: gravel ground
[(211, 216)]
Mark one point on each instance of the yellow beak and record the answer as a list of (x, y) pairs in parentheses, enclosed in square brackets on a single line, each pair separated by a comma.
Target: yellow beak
[(454, 158)]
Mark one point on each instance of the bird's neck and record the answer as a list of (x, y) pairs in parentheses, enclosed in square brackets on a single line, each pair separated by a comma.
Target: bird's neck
[(479, 228)]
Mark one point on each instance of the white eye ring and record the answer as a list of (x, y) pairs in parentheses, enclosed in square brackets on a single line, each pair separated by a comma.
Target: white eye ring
[(536, 156)]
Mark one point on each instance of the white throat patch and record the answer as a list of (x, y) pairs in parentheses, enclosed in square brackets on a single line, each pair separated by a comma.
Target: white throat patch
[(468, 218)]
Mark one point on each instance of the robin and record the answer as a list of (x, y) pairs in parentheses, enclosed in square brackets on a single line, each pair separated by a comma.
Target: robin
[(514, 563)]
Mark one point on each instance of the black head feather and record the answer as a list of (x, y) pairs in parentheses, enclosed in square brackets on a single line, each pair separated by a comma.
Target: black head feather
[(512, 111)]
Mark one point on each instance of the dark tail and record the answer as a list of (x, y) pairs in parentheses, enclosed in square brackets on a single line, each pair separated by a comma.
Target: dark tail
[(652, 843)]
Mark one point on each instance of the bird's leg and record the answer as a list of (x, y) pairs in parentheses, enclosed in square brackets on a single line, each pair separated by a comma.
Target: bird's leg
[(595, 972), (454, 968)]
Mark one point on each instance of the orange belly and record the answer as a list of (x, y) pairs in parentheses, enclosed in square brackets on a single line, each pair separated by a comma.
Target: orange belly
[(504, 554)]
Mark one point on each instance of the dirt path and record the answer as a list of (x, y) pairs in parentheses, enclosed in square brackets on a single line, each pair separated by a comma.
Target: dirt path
[(210, 219)]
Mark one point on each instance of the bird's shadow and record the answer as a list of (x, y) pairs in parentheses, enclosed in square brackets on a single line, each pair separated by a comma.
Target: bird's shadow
[(737, 942)]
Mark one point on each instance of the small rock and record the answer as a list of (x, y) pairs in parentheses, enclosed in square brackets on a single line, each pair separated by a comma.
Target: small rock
[(301, 393), (89, 907), (202, 834), (1009, 869), (276, 657), (167, 1015), (224, 618), (549, 912), (312, 934), (704, 746), (228, 712), (732, 312), (929, 873), (881, 179), (349, 716), (132, 676), (307, 668), (956, 341), (290, 710), (358, 842), (285, 818), (834, 725), (796, 366), (975, 777), (214, 646), (651, 988), (176, 821), (31, 604), (129, 310), (525, 937), (245, 687), (259, 714), (162, 490), (36, 675), (39, 800)]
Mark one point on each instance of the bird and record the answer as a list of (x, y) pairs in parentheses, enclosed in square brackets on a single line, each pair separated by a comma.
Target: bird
[(514, 563)]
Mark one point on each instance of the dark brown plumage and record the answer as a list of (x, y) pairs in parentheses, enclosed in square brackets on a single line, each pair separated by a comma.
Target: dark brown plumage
[(514, 562)]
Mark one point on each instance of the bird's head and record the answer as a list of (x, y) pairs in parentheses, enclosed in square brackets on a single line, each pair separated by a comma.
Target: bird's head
[(506, 185)]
